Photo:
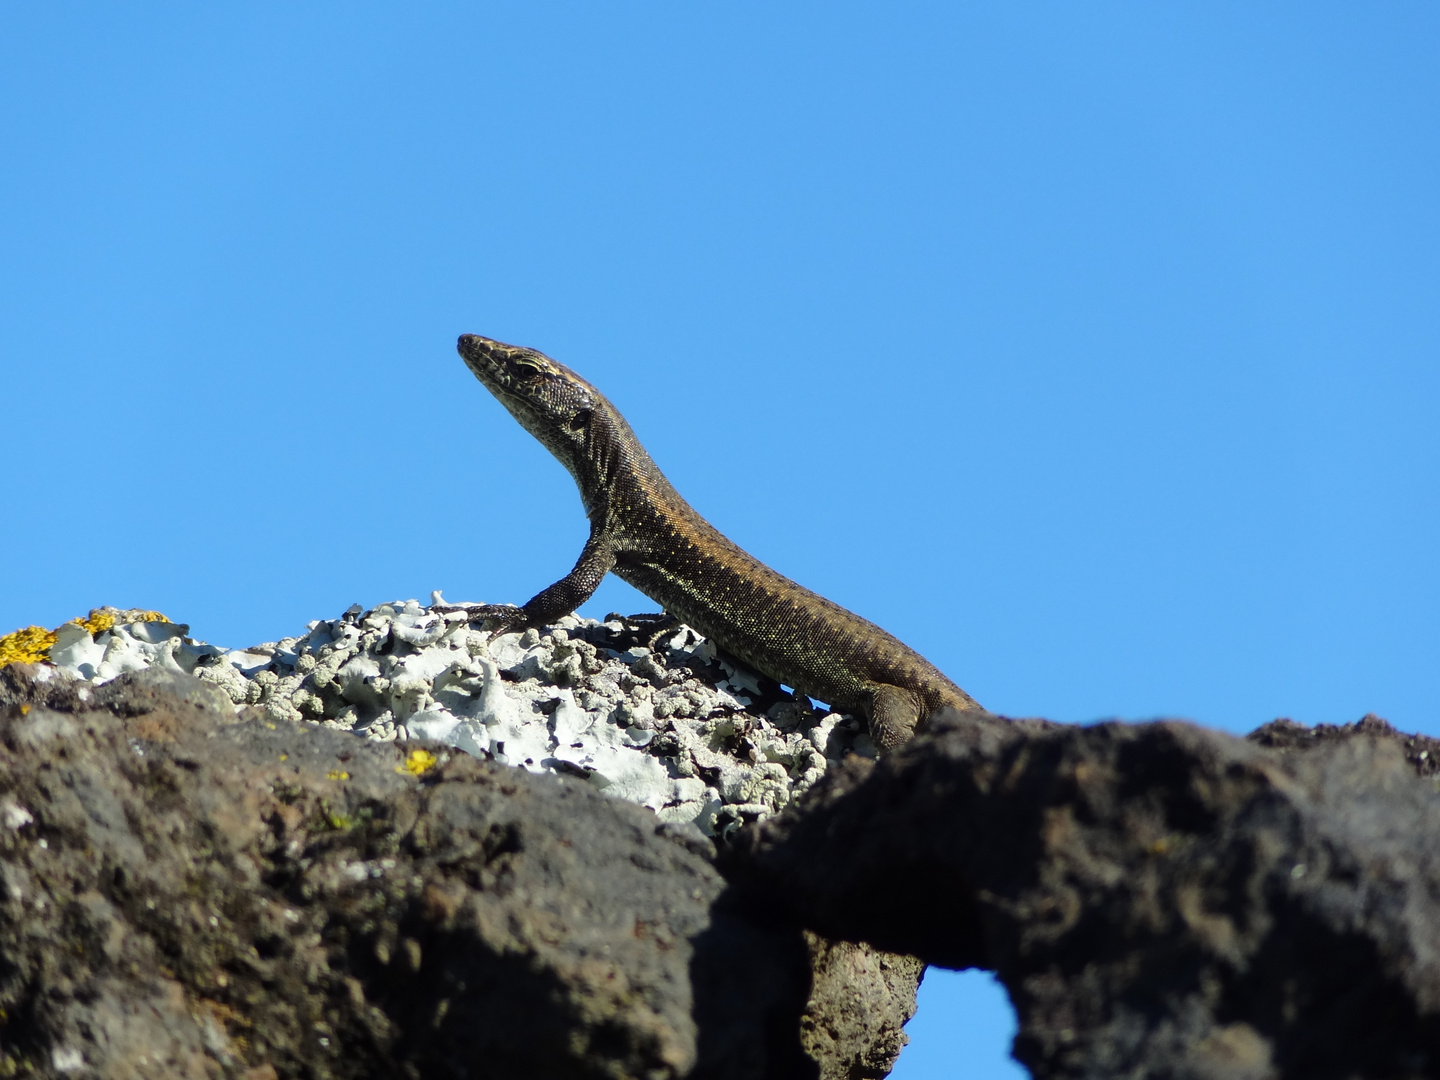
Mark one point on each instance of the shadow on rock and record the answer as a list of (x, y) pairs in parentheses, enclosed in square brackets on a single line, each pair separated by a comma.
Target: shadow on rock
[(1158, 899), (188, 893)]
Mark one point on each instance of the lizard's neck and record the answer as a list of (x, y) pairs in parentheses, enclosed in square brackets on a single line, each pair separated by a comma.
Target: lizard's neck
[(615, 465)]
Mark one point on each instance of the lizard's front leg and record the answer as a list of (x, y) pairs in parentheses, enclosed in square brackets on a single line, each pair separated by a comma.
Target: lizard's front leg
[(595, 561)]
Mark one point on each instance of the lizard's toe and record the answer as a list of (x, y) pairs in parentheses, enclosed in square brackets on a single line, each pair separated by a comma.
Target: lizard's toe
[(499, 618)]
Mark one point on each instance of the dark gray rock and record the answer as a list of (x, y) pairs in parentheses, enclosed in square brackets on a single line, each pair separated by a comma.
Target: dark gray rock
[(193, 894), (1286, 736), (1159, 900), (138, 692), (41, 684)]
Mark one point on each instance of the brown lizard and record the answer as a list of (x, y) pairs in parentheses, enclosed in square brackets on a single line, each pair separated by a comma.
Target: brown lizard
[(645, 533)]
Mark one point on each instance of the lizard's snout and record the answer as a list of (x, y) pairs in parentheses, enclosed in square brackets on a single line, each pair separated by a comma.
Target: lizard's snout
[(477, 349)]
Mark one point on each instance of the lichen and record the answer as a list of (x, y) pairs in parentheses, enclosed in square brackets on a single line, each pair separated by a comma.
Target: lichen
[(417, 763), (661, 720), (104, 618), (97, 622), (31, 645), (333, 820), (27, 646)]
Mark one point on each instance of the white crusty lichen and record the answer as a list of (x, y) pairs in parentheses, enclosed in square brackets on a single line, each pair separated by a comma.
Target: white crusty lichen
[(83, 643), (644, 709)]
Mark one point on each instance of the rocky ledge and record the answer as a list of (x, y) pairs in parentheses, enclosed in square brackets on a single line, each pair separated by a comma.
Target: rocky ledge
[(204, 872), (641, 707), (202, 878), (1158, 899)]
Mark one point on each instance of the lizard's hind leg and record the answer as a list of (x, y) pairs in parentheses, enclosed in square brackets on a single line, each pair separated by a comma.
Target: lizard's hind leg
[(894, 713)]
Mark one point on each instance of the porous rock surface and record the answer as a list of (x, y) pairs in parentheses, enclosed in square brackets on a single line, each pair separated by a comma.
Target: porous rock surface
[(1158, 899), (644, 708), (641, 707), (189, 893), (214, 877)]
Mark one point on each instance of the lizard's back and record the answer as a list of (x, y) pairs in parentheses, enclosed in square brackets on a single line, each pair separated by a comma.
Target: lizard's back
[(673, 555)]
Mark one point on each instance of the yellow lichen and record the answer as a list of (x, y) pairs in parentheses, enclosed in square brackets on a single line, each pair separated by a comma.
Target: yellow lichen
[(32, 644), (417, 763), (97, 622), (104, 618), (337, 774), (27, 646), (334, 819)]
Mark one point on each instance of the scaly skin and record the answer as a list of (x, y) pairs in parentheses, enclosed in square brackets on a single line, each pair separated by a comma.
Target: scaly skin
[(645, 533)]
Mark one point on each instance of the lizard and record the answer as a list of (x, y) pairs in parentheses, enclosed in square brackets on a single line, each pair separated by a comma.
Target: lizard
[(647, 535)]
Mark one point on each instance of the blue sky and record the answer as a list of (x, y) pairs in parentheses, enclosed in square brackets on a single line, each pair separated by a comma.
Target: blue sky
[(1090, 349)]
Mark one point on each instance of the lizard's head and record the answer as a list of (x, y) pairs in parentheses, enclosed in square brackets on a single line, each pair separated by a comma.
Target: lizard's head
[(550, 401)]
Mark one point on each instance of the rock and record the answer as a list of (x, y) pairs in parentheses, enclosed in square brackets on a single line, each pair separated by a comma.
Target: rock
[(1421, 751), (643, 708), (147, 689), (1159, 900), (860, 1001), (214, 877), (190, 892)]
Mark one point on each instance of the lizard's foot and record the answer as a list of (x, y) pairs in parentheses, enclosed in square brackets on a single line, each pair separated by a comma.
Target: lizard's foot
[(889, 736), (665, 624), (499, 618), (893, 715)]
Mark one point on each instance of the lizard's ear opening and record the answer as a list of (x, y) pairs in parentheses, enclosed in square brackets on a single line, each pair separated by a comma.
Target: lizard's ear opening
[(580, 419)]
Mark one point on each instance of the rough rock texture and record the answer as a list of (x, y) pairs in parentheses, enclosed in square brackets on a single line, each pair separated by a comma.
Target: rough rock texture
[(860, 1000), (188, 893), (1421, 751), (193, 884), (1159, 900), (642, 707)]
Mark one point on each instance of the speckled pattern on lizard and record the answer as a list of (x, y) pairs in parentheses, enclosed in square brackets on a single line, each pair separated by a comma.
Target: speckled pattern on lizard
[(647, 535)]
